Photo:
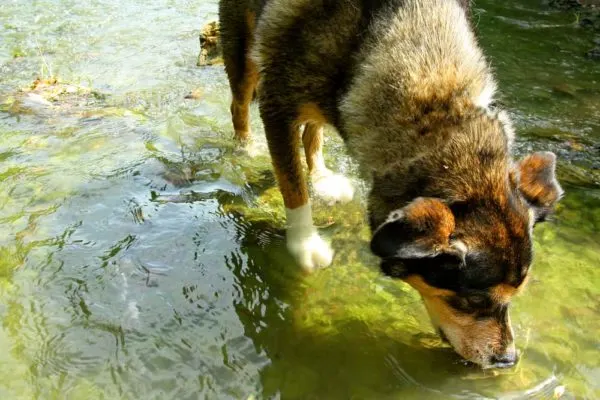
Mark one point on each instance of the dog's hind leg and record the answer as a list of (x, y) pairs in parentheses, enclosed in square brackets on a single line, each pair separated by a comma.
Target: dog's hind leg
[(243, 92), (303, 240), (327, 185), (237, 29)]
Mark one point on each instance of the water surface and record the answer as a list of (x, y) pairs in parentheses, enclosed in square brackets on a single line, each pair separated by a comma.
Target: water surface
[(142, 257)]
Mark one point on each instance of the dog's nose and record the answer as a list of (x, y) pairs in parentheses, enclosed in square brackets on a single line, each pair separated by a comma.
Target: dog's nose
[(505, 360)]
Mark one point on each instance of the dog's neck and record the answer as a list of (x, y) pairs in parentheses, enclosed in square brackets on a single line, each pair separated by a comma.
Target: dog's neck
[(468, 159), (420, 69), (420, 101), (473, 163)]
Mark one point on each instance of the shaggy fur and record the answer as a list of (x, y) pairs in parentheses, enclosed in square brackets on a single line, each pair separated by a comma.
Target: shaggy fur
[(410, 92)]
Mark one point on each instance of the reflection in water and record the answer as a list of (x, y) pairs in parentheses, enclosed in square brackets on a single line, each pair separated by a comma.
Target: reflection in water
[(327, 339), (309, 361)]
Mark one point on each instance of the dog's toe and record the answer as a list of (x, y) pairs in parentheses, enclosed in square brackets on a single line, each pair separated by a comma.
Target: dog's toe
[(309, 249), (252, 148), (255, 149), (332, 187)]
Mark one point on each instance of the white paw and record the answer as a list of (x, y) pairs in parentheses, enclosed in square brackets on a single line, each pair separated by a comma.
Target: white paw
[(255, 149), (252, 149), (309, 250), (332, 187)]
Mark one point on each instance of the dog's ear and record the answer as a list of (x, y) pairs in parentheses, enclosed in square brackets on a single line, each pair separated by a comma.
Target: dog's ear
[(421, 229), (538, 184)]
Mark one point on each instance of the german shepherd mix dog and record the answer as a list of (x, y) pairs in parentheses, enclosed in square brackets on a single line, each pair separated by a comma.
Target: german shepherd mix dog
[(410, 92)]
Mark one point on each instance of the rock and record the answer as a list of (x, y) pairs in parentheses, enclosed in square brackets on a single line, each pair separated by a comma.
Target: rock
[(594, 54), (31, 100), (588, 11), (558, 392), (565, 4), (195, 94), (573, 4), (565, 90), (590, 19), (210, 45)]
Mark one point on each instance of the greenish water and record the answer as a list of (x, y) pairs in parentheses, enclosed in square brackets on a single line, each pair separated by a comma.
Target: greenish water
[(142, 257)]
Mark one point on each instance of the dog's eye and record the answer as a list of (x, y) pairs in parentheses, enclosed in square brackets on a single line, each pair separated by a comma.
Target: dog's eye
[(477, 301), (459, 303), (469, 304)]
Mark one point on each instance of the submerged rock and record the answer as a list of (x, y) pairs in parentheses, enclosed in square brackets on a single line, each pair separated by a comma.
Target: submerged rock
[(52, 98), (590, 18), (588, 12), (573, 4), (564, 4), (594, 53)]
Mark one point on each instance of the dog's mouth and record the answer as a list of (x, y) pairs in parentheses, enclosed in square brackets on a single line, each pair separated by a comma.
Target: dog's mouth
[(443, 336), (393, 268)]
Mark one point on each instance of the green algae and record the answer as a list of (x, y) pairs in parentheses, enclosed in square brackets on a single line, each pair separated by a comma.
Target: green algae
[(349, 308)]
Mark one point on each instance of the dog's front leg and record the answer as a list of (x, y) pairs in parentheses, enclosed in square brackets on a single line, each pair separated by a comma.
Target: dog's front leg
[(327, 185), (303, 240)]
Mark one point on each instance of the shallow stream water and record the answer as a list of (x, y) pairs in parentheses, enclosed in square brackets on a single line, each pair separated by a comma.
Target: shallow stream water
[(142, 257)]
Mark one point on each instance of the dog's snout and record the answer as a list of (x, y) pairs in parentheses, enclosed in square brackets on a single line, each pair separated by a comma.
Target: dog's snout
[(505, 360)]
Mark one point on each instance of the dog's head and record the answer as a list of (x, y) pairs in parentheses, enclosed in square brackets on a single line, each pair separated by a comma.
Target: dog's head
[(468, 259)]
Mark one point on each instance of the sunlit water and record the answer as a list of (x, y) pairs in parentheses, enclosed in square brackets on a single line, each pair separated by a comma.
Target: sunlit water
[(142, 257)]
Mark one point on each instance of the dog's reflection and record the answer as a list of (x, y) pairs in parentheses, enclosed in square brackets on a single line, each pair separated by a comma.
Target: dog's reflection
[(323, 334)]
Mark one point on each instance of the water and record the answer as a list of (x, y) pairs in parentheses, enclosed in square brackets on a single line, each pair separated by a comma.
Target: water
[(142, 257)]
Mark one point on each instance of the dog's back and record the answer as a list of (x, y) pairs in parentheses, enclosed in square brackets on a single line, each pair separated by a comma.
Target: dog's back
[(420, 70), (403, 73)]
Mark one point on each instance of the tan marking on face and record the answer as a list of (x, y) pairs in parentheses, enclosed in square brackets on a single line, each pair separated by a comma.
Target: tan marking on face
[(475, 340), (426, 289), (503, 293), (431, 216)]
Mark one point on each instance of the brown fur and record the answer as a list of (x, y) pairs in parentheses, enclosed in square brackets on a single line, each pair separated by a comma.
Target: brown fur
[(312, 140), (210, 46), (538, 182), (504, 293), (237, 33), (408, 89)]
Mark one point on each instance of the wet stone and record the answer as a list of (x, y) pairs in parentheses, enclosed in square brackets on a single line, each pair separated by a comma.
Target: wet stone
[(594, 54)]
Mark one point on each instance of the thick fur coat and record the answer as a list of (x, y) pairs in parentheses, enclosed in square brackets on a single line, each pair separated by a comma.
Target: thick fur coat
[(407, 87)]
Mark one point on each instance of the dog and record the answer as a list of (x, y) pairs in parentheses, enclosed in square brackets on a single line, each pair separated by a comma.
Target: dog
[(210, 45), (408, 89)]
